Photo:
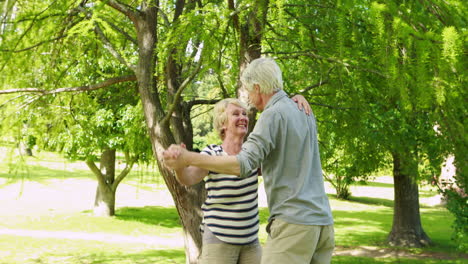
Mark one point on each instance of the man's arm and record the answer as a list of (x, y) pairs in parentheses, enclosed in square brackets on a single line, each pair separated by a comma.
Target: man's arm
[(219, 164), (177, 158)]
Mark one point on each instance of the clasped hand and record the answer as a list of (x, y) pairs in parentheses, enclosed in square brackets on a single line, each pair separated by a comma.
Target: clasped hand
[(174, 156)]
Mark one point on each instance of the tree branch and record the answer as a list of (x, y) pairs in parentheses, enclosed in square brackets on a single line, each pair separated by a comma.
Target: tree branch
[(85, 88), (121, 31), (92, 166), (124, 9), (164, 17), (331, 106), (108, 45), (12, 99), (184, 84), (305, 90), (192, 103), (33, 46), (128, 167)]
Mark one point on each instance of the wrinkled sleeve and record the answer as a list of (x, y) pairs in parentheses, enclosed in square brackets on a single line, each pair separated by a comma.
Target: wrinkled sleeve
[(259, 143)]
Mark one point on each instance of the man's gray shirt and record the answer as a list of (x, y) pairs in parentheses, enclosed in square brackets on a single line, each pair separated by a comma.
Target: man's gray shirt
[(284, 143)]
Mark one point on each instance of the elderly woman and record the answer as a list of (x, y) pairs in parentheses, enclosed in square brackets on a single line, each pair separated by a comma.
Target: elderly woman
[(230, 211)]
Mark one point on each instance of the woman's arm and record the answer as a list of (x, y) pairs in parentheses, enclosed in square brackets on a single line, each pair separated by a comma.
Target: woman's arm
[(190, 175)]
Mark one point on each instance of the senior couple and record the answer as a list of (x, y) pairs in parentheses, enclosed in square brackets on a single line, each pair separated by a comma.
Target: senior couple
[(283, 147)]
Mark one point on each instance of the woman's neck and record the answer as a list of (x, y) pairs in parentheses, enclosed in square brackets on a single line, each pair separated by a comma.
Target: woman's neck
[(232, 145)]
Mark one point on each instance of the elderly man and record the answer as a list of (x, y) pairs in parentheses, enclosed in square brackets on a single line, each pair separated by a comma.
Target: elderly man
[(284, 144)]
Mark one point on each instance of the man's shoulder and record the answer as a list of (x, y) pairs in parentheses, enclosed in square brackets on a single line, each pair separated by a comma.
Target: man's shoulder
[(281, 106), (274, 112)]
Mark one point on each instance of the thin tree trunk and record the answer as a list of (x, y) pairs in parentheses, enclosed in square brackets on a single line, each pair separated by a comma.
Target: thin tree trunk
[(104, 204), (407, 230), (188, 202), (250, 46)]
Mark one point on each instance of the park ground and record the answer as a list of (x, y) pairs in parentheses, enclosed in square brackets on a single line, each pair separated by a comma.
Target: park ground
[(45, 217)]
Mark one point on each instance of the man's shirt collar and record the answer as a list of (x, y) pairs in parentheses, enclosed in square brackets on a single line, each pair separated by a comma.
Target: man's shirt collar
[(275, 98)]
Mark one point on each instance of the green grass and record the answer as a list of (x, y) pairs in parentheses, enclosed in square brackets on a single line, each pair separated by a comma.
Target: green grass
[(26, 250), (127, 221), (152, 234), (388, 260)]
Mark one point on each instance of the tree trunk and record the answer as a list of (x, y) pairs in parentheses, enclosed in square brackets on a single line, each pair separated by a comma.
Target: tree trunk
[(250, 46), (407, 230), (28, 152), (188, 200), (104, 204)]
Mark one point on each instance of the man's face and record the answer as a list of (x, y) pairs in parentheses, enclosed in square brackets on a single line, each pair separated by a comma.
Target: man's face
[(254, 97)]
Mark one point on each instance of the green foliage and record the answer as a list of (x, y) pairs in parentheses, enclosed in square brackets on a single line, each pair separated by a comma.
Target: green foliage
[(390, 71), (457, 204), (380, 75), (452, 47)]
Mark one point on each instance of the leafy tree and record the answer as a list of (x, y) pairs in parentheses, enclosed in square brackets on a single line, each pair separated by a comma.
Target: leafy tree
[(161, 45), (367, 66), (375, 70)]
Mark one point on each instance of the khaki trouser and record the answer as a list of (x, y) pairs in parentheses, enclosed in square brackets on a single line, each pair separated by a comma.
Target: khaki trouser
[(214, 251), (298, 244)]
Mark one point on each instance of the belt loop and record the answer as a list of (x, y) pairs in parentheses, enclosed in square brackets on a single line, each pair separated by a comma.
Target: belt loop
[(268, 227)]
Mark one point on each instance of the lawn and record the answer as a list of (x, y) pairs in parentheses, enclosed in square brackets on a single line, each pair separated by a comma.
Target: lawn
[(45, 217)]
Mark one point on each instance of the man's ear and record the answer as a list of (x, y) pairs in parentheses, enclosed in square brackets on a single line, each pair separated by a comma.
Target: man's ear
[(257, 88)]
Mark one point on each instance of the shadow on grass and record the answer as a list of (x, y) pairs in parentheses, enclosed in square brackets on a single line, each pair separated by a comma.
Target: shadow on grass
[(371, 201), (152, 215), (390, 260), (375, 184), (150, 256), (362, 228), (427, 193), (168, 256)]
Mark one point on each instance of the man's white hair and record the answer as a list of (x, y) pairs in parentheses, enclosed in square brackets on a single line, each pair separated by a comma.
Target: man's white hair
[(266, 73)]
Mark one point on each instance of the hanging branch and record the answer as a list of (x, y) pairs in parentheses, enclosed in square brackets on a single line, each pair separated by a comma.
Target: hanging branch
[(85, 88), (320, 83), (12, 99), (331, 106), (33, 46), (295, 55), (108, 45), (121, 31)]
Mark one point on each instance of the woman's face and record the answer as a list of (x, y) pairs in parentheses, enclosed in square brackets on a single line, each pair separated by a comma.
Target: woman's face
[(237, 121)]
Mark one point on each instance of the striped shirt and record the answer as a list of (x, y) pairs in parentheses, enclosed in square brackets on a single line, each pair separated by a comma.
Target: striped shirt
[(230, 210)]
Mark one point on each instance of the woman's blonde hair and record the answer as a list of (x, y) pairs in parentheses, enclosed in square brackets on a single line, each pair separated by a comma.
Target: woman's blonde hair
[(220, 116)]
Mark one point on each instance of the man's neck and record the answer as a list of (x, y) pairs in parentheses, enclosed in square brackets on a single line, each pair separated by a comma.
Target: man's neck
[(265, 99)]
